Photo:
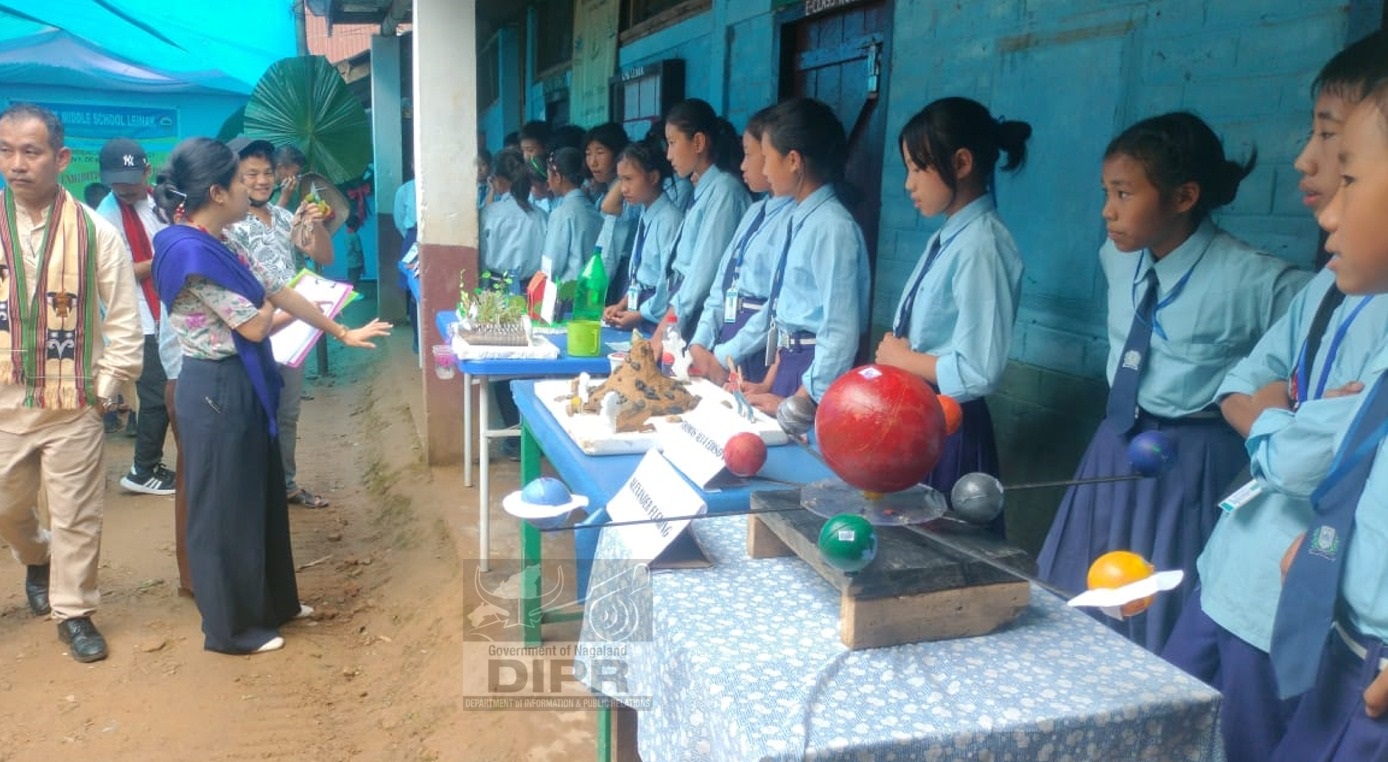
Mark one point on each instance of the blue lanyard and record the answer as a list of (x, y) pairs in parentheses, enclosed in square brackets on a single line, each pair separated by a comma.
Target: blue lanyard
[(1352, 453), (731, 279), (791, 230), (1303, 366), (638, 251), (908, 306), (1175, 291)]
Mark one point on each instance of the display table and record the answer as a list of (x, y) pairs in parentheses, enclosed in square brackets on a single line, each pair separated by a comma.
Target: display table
[(744, 662), (481, 373), (599, 478)]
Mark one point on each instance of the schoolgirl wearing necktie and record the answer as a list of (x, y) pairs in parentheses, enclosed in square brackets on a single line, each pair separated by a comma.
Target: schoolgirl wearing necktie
[(744, 275), (953, 324), (641, 174), (571, 232), (1330, 635), (1283, 398), (705, 149), (1186, 301), (817, 308)]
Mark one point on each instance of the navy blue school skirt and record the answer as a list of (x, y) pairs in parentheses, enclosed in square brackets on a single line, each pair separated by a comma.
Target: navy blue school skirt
[(1166, 519), (970, 449), (754, 367)]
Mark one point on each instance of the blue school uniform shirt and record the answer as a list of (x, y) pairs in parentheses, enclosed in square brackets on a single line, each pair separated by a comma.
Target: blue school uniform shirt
[(512, 238), (681, 192), (1290, 466), (662, 225), (1240, 572), (571, 235), (966, 304), (1216, 296), (618, 234), (824, 290), (757, 235), (546, 205), (720, 200)]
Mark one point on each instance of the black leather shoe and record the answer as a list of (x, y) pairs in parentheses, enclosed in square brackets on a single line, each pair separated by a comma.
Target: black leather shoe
[(36, 589), (84, 642)]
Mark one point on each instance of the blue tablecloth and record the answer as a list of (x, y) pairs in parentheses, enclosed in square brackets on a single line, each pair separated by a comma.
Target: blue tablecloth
[(744, 662), (564, 365), (600, 477)]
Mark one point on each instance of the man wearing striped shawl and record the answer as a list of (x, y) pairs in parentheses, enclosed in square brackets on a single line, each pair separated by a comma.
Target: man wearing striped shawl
[(69, 337)]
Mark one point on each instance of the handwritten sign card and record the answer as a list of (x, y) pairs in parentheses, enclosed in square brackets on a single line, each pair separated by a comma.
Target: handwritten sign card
[(696, 449), (654, 491)]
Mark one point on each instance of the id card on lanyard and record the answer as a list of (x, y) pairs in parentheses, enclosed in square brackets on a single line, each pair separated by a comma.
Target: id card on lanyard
[(773, 338), (732, 298)]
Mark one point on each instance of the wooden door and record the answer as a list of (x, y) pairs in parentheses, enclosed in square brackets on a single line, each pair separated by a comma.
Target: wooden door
[(836, 56)]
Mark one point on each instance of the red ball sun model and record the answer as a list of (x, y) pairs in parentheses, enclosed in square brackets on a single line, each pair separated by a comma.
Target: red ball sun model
[(881, 429)]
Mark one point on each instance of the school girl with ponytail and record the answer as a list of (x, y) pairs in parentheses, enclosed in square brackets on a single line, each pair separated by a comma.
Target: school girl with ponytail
[(953, 323), (705, 149), (817, 308)]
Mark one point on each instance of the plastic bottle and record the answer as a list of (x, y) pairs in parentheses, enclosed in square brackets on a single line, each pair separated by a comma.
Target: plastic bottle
[(591, 296)]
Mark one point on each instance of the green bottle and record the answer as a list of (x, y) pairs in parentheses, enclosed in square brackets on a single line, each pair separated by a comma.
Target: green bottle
[(591, 297)]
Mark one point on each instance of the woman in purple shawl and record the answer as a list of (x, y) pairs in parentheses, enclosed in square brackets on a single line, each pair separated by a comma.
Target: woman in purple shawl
[(226, 397)]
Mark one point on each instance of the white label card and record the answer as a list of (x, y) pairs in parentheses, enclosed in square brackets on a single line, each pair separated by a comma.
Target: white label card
[(697, 451), (1241, 496), (654, 491)]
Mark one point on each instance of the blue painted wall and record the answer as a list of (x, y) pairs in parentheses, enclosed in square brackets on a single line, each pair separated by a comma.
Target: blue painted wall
[(1079, 71)]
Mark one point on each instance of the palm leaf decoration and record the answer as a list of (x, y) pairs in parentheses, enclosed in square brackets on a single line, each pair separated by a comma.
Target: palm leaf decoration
[(233, 126), (303, 101)]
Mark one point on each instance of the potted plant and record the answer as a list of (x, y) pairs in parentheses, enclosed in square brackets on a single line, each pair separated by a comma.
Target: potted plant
[(492, 314)]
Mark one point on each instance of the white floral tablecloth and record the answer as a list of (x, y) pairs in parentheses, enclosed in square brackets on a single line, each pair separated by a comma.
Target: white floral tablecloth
[(743, 662)]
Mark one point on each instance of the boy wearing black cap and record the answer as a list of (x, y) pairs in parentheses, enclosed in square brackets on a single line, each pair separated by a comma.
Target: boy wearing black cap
[(125, 168)]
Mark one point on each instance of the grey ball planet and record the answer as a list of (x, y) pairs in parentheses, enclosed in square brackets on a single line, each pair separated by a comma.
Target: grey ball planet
[(977, 498), (796, 415)]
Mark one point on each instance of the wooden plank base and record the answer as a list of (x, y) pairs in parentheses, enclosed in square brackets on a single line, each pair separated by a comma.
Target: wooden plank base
[(915, 590), (964, 612)]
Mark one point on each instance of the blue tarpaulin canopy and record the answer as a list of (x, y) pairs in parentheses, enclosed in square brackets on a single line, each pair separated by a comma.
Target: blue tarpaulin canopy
[(144, 46)]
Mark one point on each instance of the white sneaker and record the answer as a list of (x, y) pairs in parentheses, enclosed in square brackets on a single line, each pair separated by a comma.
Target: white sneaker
[(273, 644), (305, 611), (156, 481)]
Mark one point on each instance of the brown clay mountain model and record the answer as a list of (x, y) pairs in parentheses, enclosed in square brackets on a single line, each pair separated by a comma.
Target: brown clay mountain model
[(643, 391)]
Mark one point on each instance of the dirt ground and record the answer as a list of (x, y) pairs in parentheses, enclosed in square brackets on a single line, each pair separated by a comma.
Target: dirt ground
[(375, 674)]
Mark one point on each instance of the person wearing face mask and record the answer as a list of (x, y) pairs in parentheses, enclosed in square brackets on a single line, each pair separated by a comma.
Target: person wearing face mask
[(269, 234)]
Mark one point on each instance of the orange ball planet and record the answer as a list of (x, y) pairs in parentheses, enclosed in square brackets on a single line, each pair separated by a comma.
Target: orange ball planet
[(1118, 568), (954, 415)]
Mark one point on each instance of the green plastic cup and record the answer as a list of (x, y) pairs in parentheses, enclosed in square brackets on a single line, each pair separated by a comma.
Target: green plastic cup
[(585, 338)]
